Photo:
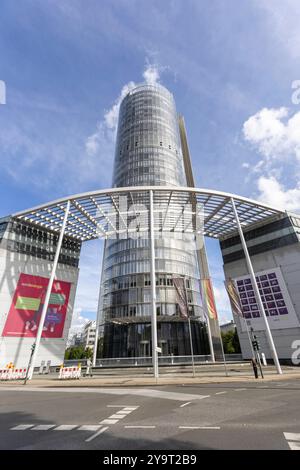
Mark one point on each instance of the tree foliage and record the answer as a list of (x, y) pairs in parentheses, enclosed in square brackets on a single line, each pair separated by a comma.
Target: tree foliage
[(231, 342), (78, 352)]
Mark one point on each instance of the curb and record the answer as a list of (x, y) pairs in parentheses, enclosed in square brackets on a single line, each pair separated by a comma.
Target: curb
[(133, 382)]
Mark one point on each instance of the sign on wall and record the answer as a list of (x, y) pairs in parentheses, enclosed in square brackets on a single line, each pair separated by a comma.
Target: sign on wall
[(27, 305), (275, 297)]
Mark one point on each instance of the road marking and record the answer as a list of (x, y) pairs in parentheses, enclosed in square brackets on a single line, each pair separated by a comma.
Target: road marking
[(122, 406), (294, 445), (293, 440), (96, 434), (89, 427), (113, 419), (220, 393), (22, 427), (143, 392), (65, 427), (43, 427), (185, 404), (117, 416), (199, 427), (109, 421), (239, 389), (291, 436), (139, 427)]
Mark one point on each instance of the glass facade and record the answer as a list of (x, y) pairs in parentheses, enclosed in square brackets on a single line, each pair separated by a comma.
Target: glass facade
[(27, 239), (277, 234), (148, 152)]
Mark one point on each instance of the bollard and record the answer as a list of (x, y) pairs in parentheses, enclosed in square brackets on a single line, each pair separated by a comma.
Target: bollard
[(254, 365), (263, 358)]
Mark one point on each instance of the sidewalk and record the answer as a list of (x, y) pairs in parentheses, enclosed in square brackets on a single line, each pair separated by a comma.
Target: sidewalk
[(96, 381)]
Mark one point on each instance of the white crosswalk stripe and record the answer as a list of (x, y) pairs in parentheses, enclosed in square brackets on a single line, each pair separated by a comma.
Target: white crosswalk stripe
[(109, 421), (114, 418), (294, 445), (66, 427), (97, 429), (89, 427), (293, 440), (291, 436), (43, 427), (22, 427), (117, 416)]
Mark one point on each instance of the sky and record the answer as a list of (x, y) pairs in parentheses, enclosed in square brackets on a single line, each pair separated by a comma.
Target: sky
[(233, 68)]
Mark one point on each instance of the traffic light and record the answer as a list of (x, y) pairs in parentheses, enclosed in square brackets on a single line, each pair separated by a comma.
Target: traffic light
[(255, 343)]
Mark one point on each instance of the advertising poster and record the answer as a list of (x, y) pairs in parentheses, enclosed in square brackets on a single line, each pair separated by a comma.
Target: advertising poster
[(275, 298), (27, 305)]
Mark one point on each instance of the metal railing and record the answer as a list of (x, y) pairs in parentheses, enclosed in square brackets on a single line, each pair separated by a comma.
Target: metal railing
[(147, 361)]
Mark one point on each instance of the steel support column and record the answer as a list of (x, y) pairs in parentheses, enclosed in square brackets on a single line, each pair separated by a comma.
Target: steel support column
[(256, 290), (153, 289), (100, 307), (36, 344)]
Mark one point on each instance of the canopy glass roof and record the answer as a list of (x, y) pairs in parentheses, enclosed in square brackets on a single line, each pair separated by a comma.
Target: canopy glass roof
[(117, 212)]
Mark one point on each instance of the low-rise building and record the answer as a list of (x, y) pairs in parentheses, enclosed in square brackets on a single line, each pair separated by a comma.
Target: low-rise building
[(229, 326), (88, 334)]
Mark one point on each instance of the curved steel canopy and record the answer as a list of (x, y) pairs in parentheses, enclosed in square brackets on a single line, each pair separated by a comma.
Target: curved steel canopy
[(110, 212)]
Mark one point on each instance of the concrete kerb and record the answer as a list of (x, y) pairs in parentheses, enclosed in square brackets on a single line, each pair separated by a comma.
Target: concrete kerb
[(147, 381)]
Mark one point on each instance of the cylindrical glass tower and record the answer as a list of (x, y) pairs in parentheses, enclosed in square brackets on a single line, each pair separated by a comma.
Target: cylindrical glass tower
[(148, 152)]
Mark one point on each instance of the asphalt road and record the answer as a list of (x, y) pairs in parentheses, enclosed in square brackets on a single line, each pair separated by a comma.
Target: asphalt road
[(212, 416)]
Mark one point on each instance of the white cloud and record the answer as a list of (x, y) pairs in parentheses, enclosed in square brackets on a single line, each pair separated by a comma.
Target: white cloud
[(274, 134), (104, 136), (60, 161), (151, 74), (105, 133), (283, 24), (78, 322), (111, 116), (272, 192), (2, 92)]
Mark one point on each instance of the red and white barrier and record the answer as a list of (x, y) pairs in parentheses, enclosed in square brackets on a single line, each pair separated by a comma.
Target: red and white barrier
[(12, 374), (69, 373)]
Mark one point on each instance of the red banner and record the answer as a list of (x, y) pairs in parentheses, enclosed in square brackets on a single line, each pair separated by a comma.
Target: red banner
[(208, 297), (26, 308), (234, 298)]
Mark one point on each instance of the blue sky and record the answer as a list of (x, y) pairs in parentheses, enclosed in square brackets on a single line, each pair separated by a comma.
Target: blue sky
[(229, 64)]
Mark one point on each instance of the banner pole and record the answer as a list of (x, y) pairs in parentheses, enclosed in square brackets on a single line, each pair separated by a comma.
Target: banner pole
[(190, 330), (36, 344)]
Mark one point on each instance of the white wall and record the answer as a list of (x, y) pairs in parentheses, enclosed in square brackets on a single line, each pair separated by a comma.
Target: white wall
[(17, 350), (288, 260)]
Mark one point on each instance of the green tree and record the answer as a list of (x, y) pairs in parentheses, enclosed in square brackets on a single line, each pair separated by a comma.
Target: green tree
[(88, 353), (78, 352), (231, 342)]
